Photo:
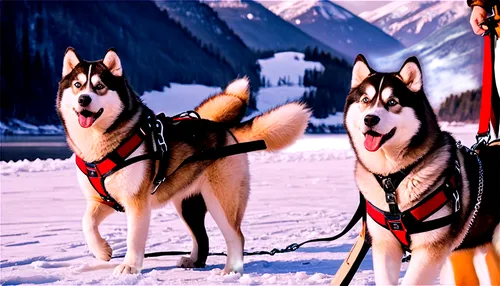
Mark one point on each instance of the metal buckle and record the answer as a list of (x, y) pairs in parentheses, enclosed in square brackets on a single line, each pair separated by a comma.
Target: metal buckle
[(395, 225), (481, 140), (456, 196), (457, 167), (157, 185), (388, 185), (161, 138)]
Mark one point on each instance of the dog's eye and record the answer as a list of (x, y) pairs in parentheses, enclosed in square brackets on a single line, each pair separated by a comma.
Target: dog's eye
[(78, 85), (99, 86), (365, 99), (392, 102)]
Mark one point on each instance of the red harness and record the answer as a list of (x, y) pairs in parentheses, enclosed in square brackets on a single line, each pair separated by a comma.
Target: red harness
[(402, 224), (98, 171)]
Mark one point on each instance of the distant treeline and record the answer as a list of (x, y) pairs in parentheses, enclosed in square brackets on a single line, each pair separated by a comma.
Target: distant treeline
[(332, 84), (464, 107), (329, 87)]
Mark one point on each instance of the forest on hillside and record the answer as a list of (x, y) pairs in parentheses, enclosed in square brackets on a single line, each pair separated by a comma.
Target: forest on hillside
[(463, 107), (331, 85)]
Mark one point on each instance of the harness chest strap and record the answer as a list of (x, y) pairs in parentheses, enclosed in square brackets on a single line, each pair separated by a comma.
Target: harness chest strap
[(402, 224), (98, 171)]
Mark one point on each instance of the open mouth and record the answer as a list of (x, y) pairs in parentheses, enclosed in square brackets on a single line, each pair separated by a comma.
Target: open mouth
[(86, 118), (374, 140)]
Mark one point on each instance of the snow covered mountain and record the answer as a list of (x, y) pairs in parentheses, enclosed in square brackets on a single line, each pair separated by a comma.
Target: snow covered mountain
[(262, 30), (412, 21), (451, 60), (337, 27)]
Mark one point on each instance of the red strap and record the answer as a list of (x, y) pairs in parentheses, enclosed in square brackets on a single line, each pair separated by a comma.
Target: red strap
[(128, 147), (81, 165), (486, 113), (183, 118), (97, 184), (401, 236), (430, 206), (105, 166), (379, 217), (375, 214)]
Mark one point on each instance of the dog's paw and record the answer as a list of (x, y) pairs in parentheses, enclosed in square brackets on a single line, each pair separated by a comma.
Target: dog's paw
[(187, 262), (125, 269), (229, 270), (101, 250)]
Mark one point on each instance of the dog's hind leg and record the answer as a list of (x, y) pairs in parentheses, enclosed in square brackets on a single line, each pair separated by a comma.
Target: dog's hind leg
[(230, 230), (193, 210), (226, 195)]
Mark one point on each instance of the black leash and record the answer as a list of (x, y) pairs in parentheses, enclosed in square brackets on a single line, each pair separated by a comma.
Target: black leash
[(360, 212)]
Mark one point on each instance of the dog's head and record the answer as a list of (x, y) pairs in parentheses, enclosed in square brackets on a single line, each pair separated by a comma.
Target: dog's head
[(92, 94), (387, 112)]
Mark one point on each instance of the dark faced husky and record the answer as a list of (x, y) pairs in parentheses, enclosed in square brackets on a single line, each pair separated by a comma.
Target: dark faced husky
[(99, 111), (425, 193)]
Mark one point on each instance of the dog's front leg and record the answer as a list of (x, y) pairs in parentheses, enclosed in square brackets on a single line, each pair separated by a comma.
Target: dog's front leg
[(95, 213), (386, 262), (138, 218), (424, 268)]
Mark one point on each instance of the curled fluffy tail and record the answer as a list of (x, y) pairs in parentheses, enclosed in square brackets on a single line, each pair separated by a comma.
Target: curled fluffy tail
[(279, 127), (228, 106)]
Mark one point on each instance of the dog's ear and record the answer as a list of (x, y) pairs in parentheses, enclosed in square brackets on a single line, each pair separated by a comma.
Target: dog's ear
[(70, 61), (411, 74), (113, 63), (360, 71)]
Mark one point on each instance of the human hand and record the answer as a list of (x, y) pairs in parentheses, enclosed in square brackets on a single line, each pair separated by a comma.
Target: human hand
[(478, 16)]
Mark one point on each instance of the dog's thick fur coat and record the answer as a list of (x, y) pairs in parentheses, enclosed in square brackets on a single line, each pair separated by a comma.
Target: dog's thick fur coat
[(99, 111)]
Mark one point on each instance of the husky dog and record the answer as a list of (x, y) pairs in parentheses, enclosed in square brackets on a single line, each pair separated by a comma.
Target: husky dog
[(99, 110), (395, 133)]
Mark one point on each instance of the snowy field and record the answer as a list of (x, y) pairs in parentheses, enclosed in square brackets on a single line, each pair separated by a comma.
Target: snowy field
[(304, 192)]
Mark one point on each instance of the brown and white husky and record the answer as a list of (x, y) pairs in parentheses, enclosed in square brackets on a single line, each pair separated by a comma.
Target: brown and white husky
[(395, 134), (99, 110)]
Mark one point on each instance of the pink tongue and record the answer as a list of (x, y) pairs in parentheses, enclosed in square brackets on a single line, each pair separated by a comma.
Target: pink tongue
[(372, 143), (85, 122)]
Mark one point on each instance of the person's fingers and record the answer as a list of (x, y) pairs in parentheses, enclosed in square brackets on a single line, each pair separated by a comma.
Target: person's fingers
[(478, 30), (477, 18)]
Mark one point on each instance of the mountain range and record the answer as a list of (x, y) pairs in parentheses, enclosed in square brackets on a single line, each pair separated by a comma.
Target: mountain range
[(261, 30), (451, 59), (337, 27), (412, 21)]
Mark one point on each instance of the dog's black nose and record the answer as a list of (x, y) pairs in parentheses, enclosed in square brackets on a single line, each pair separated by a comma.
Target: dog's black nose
[(84, 100), (371, 120)]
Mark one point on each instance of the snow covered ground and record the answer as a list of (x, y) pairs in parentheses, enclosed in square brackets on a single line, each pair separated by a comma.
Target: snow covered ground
[(304, 192)]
